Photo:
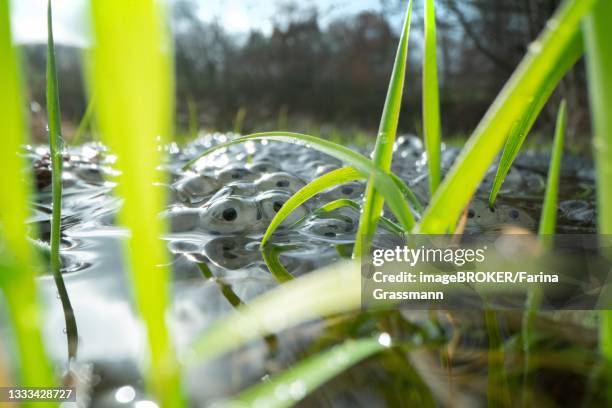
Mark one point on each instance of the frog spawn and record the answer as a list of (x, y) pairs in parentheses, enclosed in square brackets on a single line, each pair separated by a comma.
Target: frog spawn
[(215, 213)]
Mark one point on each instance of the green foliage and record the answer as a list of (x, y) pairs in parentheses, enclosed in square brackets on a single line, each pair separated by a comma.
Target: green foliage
[(132, 81), (545, 55), (548, 220), (271, 255), (17, 259), (328, 180), (520, 129), (373, 200), (431, 99), (598, 32), (56, 149), (548, 223), (307, 375)]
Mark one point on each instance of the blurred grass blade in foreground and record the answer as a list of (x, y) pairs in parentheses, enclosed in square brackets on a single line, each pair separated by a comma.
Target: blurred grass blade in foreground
[(17, 259), (309, 374), (431, 99), (330, 290), (545, 54), (598, 35), (373, 201), (132, 81)]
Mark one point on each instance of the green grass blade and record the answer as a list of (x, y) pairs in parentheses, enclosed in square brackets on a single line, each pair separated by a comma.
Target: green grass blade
[(548, 220), (225, 288), (431, 99), (336, 204), (407, 192), (598, 32), (345, 202), (333, 178), (271, 255), (307, 375), (85, 122), (522, 127), (511, 104), (548, 223), (384, 183), (17, 259), (373, 201), (498, 392), (132, 82), (300, 300), (56, 150)]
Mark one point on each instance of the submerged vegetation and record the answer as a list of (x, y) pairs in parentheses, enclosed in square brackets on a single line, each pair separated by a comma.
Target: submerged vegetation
[(131, 78)]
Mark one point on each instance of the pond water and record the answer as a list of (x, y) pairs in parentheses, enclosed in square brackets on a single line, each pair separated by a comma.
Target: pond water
[(218, 212)]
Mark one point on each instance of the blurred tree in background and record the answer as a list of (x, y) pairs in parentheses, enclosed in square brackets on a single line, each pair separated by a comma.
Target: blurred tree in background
[(306, 74)]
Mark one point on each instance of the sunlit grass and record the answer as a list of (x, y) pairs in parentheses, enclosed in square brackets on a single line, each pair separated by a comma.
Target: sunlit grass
[(545, 55), (521, 128), (431, 99), (17, 259), (132, 81), (598, 31), (547, 227), (373, 200)]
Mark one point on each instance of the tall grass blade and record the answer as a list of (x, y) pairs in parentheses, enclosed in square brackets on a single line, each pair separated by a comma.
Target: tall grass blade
[(548, 220), (297, 301), (373, 201), (384, 183), (598, 32), (132, 81), (431, 99), (333, 178), (56, 150), (307, 375), (522, 127), (17, 259), (548, 224), (545, 54)]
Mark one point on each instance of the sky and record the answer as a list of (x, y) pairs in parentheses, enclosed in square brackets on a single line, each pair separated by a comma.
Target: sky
[(237, 16)]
